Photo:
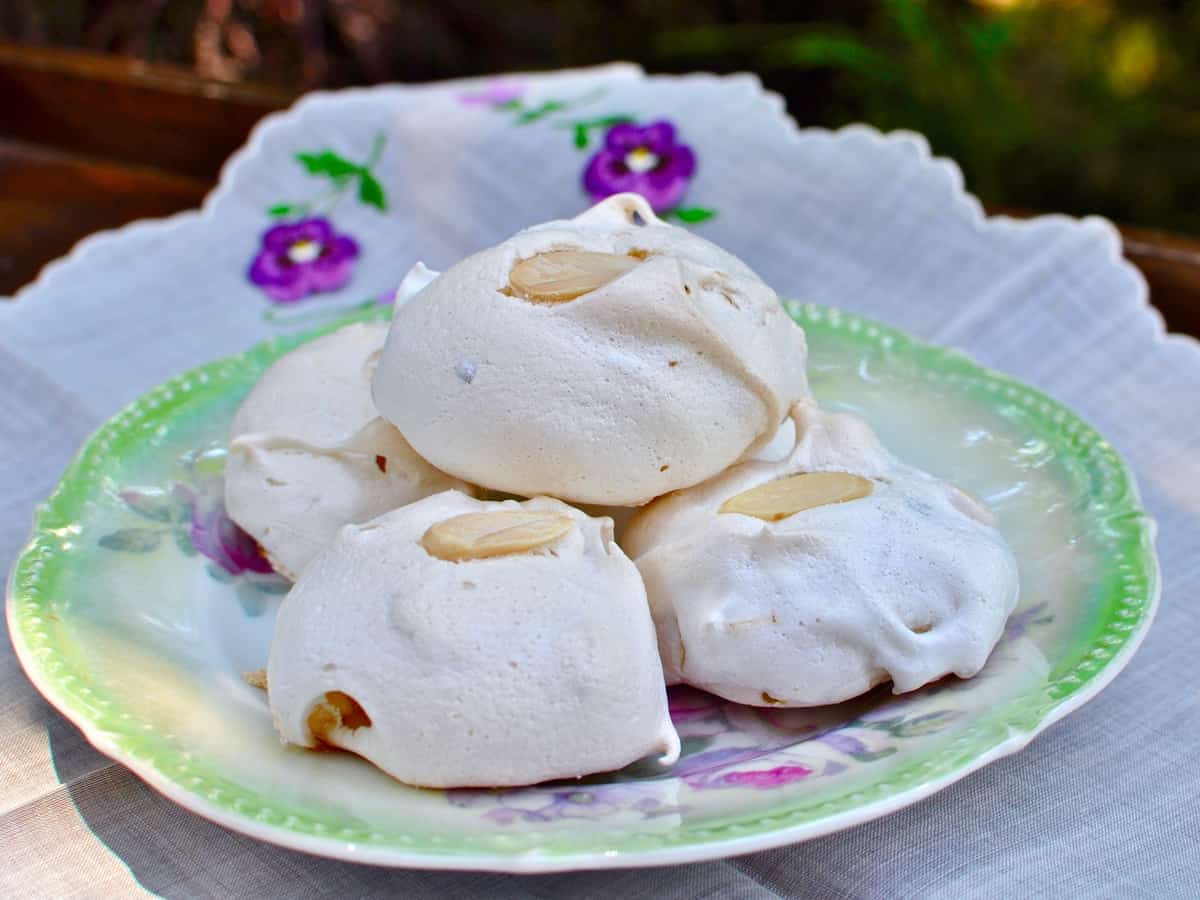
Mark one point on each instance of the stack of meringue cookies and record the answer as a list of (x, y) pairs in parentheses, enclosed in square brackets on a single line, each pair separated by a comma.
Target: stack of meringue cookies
[(607, 367)]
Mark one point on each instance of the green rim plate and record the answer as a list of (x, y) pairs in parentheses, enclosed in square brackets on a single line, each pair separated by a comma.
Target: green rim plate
[(1094, 637)]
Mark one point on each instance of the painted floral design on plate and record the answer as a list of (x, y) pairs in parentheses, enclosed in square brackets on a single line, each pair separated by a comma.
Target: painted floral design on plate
[(725, 746), (137, 607), (190, 511), (730, 747)]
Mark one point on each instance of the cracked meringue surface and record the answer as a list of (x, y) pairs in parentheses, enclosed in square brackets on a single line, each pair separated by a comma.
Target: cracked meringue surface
[(605, 359), (908, 583), (473, 643), (309, 453)]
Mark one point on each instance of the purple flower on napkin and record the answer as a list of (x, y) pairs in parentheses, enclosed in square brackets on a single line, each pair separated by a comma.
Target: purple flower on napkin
[(645, 159), (494, 93), (302, 258)]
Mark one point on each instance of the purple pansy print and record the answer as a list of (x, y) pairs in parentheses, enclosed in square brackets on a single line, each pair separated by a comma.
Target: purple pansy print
[(645, 159), (303, 255), (302, 258)]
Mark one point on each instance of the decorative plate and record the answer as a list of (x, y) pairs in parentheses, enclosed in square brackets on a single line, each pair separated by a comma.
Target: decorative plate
[(137, 605)]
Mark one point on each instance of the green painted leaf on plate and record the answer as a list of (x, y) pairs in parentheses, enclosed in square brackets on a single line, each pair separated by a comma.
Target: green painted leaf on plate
[(272, 586), (154, 505), (183, 540), (132, 540), (216, 573)]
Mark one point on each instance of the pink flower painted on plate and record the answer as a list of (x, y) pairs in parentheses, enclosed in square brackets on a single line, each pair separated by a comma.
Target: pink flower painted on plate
[(645, 159), (685, 703), (767, 778), (302, 258), (494, 93)]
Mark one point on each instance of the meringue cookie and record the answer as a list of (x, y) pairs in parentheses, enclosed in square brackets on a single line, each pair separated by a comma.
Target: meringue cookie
[(309, 453), (908, 583), (504, 670), (681, 364), (415, 280)]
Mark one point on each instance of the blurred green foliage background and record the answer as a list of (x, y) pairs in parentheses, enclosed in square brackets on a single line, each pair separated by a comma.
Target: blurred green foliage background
[(1056, 105)]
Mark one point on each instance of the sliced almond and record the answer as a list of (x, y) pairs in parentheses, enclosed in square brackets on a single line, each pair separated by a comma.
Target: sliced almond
[(562, 275), (257, 678), (970, 505), (499, 533), (371, 364), (336, 710), (777, 500)]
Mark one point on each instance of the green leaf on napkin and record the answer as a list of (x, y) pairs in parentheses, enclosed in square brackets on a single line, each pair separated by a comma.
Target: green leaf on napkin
[(370, 191), (328, 163), (691, 214), (539, 112)]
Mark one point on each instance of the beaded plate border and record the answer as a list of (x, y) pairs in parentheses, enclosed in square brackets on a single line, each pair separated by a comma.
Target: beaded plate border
[(1125, 606)]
